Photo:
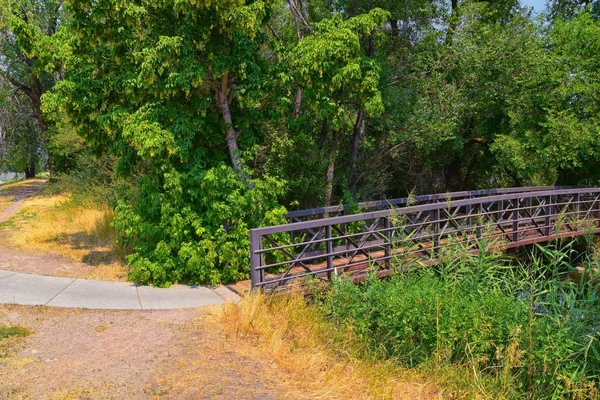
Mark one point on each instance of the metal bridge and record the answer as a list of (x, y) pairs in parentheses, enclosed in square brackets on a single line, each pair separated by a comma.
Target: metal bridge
[(386, 236)]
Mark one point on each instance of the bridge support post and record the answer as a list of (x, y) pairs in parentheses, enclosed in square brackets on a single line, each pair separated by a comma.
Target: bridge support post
[(256, 274), (469, 218), (515, 222), (597, 204), (479, 222), (548, 211), (329, 245), (435, 243), (387, 225)]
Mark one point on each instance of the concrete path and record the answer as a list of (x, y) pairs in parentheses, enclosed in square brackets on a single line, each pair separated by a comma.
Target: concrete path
[(26, 289)]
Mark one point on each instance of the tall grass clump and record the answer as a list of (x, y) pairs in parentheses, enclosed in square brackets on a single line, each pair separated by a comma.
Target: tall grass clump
[(319, 357), (92, 184), (516, 328)]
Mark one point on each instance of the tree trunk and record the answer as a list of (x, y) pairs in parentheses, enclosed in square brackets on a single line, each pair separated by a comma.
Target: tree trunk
[(34, 93), (359, 128), (30, 171), (453, 22), (331, 167), (297, 103), (299, 13), (36, 103), (224, 102), (394, 25)]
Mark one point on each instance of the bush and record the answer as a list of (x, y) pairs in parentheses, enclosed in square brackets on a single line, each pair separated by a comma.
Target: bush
[(534, 332), (195, 230), (417, 316)]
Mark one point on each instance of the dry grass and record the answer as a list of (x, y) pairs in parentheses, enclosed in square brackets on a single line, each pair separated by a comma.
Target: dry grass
[(166, 354), (79, 231), (298, 339)]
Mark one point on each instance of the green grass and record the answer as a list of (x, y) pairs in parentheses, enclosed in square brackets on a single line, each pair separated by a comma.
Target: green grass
[(7, 331), (516, 328)]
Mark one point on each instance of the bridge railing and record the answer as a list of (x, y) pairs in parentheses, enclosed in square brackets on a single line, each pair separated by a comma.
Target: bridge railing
[(383, 240), (339, 210)]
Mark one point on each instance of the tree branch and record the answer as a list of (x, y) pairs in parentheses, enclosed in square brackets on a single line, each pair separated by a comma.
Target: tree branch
[(274, 32), (18, 85)]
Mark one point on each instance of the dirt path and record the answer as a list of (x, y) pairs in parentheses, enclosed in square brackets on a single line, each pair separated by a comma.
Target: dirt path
[(86, 354), (17, 196), (48, 264)]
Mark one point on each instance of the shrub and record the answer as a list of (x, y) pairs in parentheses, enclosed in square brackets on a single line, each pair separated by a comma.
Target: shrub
[(417, 316), (525, 326), (195, 230)]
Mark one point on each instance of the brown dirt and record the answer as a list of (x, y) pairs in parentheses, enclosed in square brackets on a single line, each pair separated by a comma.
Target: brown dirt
[(175, 354), (49, 264)]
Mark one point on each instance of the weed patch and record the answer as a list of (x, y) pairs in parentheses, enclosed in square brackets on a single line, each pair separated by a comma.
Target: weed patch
[(474, 326), (319, 355), (519, 328), (7, 331)]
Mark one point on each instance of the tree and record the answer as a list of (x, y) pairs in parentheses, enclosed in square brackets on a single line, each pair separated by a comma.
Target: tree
[(567, 9), (30, 50), (174, 91), (335, 73), (556, 119), (20, 146), (462, 93)]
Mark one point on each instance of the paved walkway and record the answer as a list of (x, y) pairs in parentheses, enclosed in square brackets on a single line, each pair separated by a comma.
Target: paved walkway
[(26, 289)]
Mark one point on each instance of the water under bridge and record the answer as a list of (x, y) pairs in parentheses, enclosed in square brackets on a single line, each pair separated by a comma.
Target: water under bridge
[(384, 236)]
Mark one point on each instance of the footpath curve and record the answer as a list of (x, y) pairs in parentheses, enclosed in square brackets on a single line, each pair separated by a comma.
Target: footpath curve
[(27, 289)]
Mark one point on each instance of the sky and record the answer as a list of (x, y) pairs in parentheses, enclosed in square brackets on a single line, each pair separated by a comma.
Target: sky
[(538, 5)]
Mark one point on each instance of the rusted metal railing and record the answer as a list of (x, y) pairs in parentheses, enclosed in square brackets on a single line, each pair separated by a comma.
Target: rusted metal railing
[(382, 239)]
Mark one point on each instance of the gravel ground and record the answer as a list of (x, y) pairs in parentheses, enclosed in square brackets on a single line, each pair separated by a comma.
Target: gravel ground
[(86, 354)]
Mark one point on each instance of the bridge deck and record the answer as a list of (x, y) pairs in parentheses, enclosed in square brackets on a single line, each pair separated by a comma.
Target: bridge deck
[(395, 238)]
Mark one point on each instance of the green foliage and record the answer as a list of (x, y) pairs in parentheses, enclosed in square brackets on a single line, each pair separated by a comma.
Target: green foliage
[(416, 315), (147, 97), (201, 233), (526, 328), (335, 70), (555, 119), (20, 143), (308, 102), (7, 331)]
